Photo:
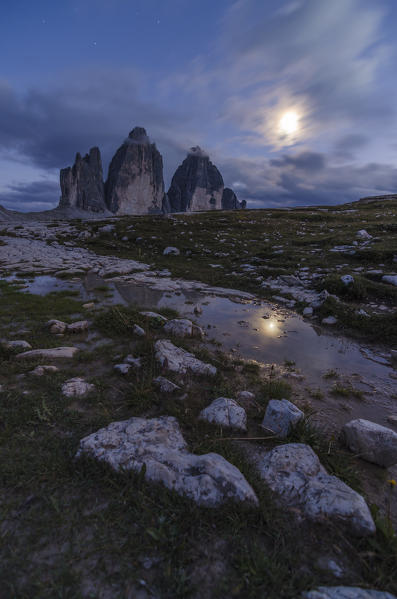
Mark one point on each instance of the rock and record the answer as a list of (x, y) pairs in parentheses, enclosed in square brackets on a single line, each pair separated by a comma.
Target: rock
[(138, 331), (245, 396), (178, 360), (371, 442), (165, 385), (55, 353), (17, 344), (392, 279), (363, 234), (197, 332), (82, 184), (171, 251), (57, 326), (158, 446), (330, 320), (225, 412), (327, 564), (44, 369), (89, 306), (281, 416), (135, 362), (107, 229), (197, 309), (346, 593), (230, 201), (308, 311), (294, 473), (123, 368), (179, 327), (196, 185), (76, 387), (135, 182), (77, 327), (347, 279)]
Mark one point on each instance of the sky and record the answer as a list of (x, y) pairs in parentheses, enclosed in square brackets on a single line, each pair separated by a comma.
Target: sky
[(294, 100)]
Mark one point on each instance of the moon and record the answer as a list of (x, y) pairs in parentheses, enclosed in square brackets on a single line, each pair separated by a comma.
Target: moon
[(289, 123)]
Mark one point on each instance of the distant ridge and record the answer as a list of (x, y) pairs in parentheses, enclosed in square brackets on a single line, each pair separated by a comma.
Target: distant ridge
[(367, 199)]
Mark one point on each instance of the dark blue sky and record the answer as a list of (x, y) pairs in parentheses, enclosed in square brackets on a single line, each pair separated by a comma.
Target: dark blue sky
[(295, 100)]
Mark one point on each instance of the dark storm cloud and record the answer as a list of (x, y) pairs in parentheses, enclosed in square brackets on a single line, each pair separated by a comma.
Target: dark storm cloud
[(305, 161), (38, 195)]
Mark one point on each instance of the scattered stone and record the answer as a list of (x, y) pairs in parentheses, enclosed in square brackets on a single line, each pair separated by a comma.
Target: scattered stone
[(179, 327), (154, 316), (392, 279), (89, 306), (123, 368), (135, 362), (77, 327), (294, 472), (371, 442), (17, 344), (281, 416), (179, 360), (330, 320), (328, 564), (54, 353), (225, 412), (76, 387), (347, 279), (138, 331), (57, 326), (165, 385), (171, 251), (157, 448), (363, 234), (308, 311), (245, 396), (346, 593), (44, 369)]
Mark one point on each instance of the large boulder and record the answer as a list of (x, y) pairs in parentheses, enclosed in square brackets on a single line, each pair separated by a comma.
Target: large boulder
[(157, 448), (370, 441), (135, 182), (225, 412), (82, 184), (293, 471), (179, 360), (196, 185)]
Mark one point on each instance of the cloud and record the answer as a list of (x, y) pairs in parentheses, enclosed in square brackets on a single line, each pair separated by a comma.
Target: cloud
[(37, 195)]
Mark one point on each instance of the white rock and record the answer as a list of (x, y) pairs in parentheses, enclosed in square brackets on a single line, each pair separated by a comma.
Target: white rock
[(155, 316), (57, 326), (363, 234), (308, 311), (53, 353), (17, 344), (44, 369), (165, 385), (281, 416), (77, 327), (171, 251), (294, 472), (392, 279), (138, 331), (329, 320), (245, 396), (197, 309), (158, 444), (346, 593), (372, 442), (179, 327), (106, 229), (179, 360), (347, 279), (225, 412), (76, 387), (89, 306), (135, 362), (123, 368)]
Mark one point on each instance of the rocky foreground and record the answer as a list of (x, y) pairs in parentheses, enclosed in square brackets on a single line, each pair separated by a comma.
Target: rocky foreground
[(139, 461)]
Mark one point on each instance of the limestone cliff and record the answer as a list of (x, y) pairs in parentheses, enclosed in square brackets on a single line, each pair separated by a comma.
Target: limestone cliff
[(230, 201), (135, 182), (196, 185), (82, 184)]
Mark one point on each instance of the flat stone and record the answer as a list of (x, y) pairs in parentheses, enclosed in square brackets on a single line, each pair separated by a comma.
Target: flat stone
[(158, 445), (135, 362), (44, 369), (245, 396), (225, 412), (371, 442), (78, 327), (308, 311), (171, 251), (55, 353), (346, 593), (123, 368), (179, 360), (179, 327), (89, 306), (329, 320), (281, 416), (138, 331), (294, 473), (57, 326), (155, 316), (76, 387), (17, 344), (165, 385), (392, 279)]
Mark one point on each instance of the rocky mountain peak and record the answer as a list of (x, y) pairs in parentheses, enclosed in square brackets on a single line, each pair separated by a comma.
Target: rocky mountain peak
[(82, 184), (138, 134)]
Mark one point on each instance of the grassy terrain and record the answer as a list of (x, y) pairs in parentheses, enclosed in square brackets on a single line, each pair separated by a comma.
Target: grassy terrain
[(217, 247), (76, 529)]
